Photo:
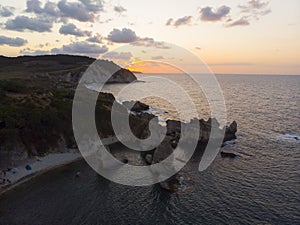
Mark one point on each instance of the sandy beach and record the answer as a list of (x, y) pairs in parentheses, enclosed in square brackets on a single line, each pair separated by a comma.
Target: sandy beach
[(38, 167)]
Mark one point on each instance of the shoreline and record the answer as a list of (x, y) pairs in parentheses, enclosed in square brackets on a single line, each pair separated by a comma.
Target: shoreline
[(43, 165)]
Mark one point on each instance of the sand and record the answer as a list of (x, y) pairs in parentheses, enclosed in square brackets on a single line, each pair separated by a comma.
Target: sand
[(39, 166)]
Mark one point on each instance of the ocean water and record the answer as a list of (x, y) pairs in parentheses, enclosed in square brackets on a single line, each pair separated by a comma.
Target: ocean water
[(260, 186)]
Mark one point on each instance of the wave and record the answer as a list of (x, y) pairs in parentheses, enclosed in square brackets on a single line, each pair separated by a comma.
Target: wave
[(289, 137)]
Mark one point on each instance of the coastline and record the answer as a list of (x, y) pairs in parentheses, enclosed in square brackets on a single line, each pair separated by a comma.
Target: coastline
[(39, 167)]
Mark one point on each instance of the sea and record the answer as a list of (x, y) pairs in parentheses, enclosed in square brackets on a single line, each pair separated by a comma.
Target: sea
[(259, 186)]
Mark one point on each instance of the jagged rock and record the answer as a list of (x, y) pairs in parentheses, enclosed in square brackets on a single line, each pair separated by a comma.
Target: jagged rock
[(230, 132)]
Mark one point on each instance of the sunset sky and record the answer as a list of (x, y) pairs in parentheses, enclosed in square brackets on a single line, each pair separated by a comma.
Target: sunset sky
[(241, 36)]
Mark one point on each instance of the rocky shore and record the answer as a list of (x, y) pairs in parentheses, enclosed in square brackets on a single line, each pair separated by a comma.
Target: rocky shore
[(173, 135)]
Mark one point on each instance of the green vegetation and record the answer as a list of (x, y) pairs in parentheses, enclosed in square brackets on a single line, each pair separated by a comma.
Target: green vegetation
[(38, 121), (36, 98)]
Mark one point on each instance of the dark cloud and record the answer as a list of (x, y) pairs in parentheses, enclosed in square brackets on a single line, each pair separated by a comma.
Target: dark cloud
[(15, 42), (96, 39), (118, 55), (93, 5), (6, 11), (73, 30), (122, 36), (83, 11), (49, 9), (129, 36), (186, 20), (119, 9), (198, 48), (208, 14), (75, 11), (34, 6), (80, 48), (21, 23), (240, 22)]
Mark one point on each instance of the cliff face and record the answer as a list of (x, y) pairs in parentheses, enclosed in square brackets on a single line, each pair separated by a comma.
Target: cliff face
[(122, 76)]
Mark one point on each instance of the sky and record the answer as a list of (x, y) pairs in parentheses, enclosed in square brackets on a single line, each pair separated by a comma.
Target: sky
[(231, 37)]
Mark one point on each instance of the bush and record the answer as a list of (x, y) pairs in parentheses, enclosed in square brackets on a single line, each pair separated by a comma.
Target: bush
[(11, 86)]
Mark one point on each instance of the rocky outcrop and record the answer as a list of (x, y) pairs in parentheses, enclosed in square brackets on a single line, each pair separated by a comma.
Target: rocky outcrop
[(173, 135), (230, 132), (174, 128), (122, 76), (103, 71)]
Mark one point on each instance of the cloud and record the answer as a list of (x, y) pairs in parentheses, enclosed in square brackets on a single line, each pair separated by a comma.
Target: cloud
[(21, 23), (255, 8), (208, 14), (186, 20), (34, 6), (150, 42), (119, 9), (29, 51), (241, 22), (15, 42), (159, 57), (83, 11), (93, 5), (198, 48), (118, 55), (95, 39), (80, 48), (49, 9), (73, 30), (129, 36), (169, 22), (122, 36), (253, 5), (6, 11)]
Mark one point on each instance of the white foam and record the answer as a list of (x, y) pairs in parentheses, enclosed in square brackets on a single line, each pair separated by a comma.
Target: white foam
[(289, 137)]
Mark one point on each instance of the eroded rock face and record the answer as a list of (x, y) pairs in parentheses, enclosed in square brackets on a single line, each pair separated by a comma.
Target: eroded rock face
[(173, 135), (103, 71), (122, 76)]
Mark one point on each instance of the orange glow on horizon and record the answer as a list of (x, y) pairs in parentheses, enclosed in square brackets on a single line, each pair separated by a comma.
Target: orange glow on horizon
[(152, 67)]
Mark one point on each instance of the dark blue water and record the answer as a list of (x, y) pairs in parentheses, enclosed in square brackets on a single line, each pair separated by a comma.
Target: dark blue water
[(260, 186)]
